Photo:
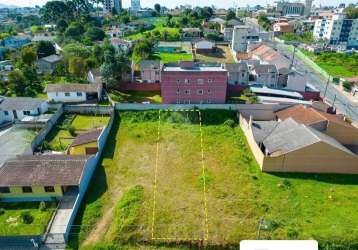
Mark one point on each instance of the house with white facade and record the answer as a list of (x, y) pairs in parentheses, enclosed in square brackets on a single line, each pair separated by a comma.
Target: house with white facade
[(204, 46), (17, 108), (73, 92), (265, 74)]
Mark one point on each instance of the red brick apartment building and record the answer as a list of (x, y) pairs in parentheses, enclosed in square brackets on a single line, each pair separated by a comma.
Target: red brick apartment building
[(188, 82)]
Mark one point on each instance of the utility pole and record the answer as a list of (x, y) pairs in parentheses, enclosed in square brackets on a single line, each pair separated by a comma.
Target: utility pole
[(293, 56), (325, 91)]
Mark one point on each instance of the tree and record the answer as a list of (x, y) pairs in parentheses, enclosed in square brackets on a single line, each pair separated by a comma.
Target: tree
[(351, 11), (52, 11), (142, 50), (95, 34), (74, 31), (61, 25), (17, 82), (45, 48), (77, 67), (76, 50), (230, 15), (157, 7), (28, 55)]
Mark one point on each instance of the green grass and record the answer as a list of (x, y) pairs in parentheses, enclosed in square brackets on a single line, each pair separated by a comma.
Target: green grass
[(221, 55), (173, 33), (172, 57), (336, 64), (293, 206), (135, 96), (11, 223), (60, 138)]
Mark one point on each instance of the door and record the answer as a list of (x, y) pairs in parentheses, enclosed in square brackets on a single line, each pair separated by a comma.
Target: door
[(15, 114)]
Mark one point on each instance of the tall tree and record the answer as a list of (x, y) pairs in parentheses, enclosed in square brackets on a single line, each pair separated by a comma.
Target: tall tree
[(52, 11), (157, 7), (45, 48), (28, 55), (230, 15), (77, 66)]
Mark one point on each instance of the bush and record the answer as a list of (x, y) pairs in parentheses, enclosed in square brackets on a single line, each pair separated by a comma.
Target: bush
[(26, 217), (2, 211), (230, 123), (347, 86), (292, 233), (42, 206), (71, 129)]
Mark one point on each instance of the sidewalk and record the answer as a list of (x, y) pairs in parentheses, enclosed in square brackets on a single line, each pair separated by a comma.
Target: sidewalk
[(349, 96)]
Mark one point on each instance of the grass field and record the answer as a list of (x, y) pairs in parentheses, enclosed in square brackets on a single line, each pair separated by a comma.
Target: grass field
[(119, 206), (12, 224), (173, 33), (60, 137), (221, 55), (135, 96), (172, 57), (336, 64)]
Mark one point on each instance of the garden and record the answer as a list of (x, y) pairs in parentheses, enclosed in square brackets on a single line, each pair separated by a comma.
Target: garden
[(177, 180)]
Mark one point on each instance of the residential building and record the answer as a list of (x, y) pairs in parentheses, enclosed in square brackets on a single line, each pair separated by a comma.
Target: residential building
[(17, 108), (41, 177), (337, 29), (238, 73), (191, 33), (110, 5), (227, 28), (85, 143), (331, 124), (239, 38), (288, 146), (228, 31), (47, 65), (308, 8), (122, 45), (73, 92), (204, 46), (267, 55), (281, 27), (189, 82), (290, 8), (265, 74), (150, 71), (16, 42), (135, 5)]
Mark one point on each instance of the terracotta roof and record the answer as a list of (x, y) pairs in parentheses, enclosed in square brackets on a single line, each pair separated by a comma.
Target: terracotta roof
[(87, 137), (73, 87), (43, 170), (309, 115)]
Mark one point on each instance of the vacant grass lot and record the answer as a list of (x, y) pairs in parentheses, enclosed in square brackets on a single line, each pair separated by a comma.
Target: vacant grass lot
[(221, 55), (135, 96), (118, 207), (11, 222), (60, 137)]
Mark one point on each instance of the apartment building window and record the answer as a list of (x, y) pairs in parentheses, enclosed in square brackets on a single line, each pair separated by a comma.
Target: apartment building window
[(79, 93), (27, 189), (210, 80), (187, 81), (67, 94), (187, 91), (6, 112), (200, 81), (4, 190), (209, 91), (200, 92), (208, 101), (178, 91), (178, 81), (26, 112), (49, 189)]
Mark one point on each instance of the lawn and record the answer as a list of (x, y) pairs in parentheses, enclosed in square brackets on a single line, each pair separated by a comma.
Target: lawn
[(173, 33), (142, 180), (60, 137), (221, 55), (172, 57), (135, 96), (11, 222), (336, 64)]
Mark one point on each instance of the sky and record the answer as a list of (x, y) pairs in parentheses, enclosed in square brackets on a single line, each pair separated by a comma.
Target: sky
[(173, 3)]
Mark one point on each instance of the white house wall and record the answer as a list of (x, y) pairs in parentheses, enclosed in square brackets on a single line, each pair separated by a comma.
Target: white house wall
[(60, 97)]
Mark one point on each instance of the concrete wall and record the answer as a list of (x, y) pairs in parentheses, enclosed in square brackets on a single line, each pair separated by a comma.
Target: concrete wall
[(88, 109)]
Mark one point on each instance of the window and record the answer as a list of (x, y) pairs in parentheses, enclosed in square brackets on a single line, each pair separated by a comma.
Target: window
[(273, 76), (187, 91), (178, 81), (178, 91), (26, 112), (79, 93), (4, 190), (6, 112), (243, 74), (27, 189), (210, 80), (186, 81), (67, 94), (200, 81), (49, 189), (200, 92), (209, 91)]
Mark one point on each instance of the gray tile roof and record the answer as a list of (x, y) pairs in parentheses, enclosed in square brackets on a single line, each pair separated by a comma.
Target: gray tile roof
[(236, 67), (265, 68), (289, 135), (262, 129), (20, 103), (52, 59), (73, 87), (43, 170)]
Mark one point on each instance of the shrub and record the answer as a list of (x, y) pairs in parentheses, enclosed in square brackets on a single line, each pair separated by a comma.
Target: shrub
[(2, 211), (347, 86), (72, 130), (292, 233), (230, 123), (42, 206), (26, 217)]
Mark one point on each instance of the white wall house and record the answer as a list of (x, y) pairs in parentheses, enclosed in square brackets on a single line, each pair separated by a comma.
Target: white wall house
[(73, 92), (266, 74), (204, 46), (239, 38), (16, 108)]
